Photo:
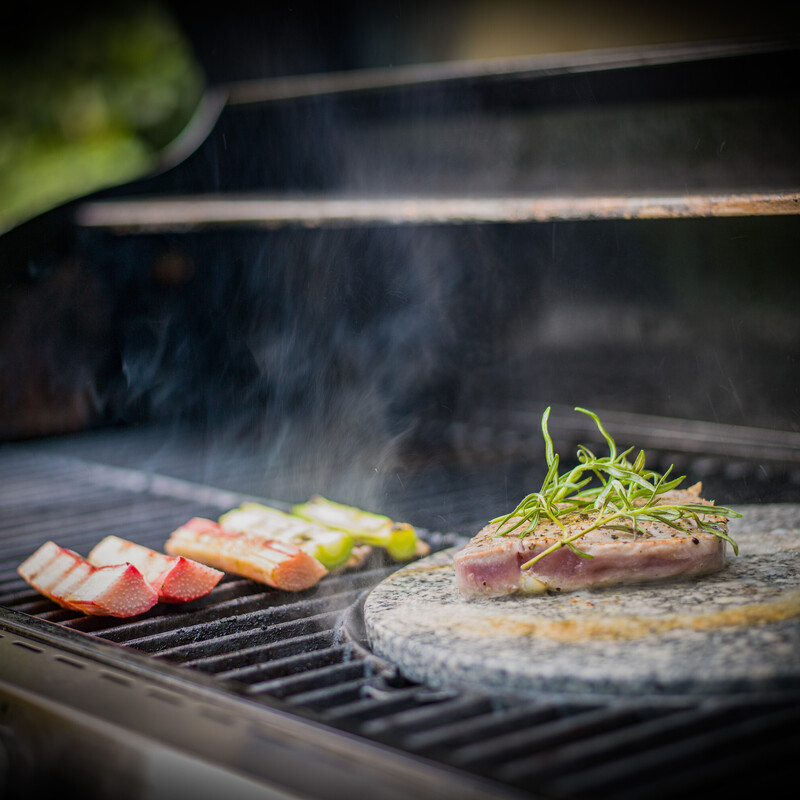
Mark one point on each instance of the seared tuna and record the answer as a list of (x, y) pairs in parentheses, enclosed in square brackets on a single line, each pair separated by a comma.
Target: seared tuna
[(491, 564)]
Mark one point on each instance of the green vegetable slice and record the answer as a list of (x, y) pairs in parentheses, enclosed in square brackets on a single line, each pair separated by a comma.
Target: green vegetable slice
[(399, 539)]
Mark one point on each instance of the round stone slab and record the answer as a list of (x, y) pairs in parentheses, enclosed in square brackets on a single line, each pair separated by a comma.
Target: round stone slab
[(737, 631)]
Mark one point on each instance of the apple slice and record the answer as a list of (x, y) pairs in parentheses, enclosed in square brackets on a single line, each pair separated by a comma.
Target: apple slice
[(278, 564), (175, 578), (72, 582)]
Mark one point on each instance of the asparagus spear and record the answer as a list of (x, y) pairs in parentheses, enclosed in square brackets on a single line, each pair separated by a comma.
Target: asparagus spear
[(398, 538), (331, 547)]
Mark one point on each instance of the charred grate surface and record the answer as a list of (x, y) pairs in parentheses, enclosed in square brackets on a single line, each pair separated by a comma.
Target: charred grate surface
[(306, 652)]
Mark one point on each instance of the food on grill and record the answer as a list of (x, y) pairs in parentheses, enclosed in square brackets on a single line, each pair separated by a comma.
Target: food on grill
[(632, 526), (176, 579), (727, 635), (74, 583), (399, 539), (491, 564), (332, 548), (278, 564), (290, 552)]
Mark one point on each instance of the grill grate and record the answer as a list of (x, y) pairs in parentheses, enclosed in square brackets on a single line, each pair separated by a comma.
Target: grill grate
[(305, 653)]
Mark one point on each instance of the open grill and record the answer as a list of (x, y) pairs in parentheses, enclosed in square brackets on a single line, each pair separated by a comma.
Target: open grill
[(305, 655), (259, 693)]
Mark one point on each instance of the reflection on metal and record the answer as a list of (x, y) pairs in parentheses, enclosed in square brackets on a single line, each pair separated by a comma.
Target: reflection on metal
[(297, 86), (189, 213), (652, 432), (197, 130)]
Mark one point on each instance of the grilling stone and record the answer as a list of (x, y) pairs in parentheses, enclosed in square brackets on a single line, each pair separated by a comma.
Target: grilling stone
[(735, 631)]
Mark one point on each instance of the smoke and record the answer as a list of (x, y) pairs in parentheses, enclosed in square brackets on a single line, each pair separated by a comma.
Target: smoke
[(328, 350)]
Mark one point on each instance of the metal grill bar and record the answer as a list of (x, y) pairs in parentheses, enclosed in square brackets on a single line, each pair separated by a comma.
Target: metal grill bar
[(308, 659), (525, 741), (325, 698), (485, 726), (370, 712), (210, 624), (316, 680), (630, 738), (692, 750), (411, 719), (365, 80), (684, 436), (200, 213), (285, 638)]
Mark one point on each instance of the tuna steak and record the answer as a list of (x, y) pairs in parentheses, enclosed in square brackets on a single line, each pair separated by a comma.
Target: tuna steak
[(490, 565)]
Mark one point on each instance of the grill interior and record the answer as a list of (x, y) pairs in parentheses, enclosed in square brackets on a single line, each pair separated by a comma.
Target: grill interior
[(611, 232), (306, 655)]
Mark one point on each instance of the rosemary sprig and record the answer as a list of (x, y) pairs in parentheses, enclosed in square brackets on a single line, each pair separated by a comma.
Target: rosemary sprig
[(623, 494)]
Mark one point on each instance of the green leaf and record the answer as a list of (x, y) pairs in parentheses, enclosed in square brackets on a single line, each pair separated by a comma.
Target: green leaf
[(578, 552)]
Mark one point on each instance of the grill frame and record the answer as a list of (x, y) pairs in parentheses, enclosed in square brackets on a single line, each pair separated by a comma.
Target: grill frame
[(194, 716)]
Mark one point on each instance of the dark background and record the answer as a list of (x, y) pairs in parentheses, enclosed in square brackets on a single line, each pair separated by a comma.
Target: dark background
[(372, 331)]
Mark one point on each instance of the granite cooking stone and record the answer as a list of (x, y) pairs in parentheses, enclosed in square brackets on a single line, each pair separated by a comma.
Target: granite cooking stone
[(734, 632)]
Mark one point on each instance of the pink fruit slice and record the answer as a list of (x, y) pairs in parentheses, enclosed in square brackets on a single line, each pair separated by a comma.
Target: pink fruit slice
[(175, 578), (74, 583)]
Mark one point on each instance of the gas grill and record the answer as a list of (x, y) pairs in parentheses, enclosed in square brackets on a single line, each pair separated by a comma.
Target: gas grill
[(251, 692)]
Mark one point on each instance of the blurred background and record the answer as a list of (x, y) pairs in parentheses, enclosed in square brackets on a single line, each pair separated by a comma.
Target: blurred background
[(355, 338), (90, 94)]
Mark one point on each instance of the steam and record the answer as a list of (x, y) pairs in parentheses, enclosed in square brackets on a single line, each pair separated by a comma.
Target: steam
[(323, 350)]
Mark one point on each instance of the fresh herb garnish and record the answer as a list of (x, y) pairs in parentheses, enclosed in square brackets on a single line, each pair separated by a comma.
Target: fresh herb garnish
[(619, 492)]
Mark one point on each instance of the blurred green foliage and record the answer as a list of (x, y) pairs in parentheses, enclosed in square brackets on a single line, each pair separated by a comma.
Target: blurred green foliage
[(90, 103)]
